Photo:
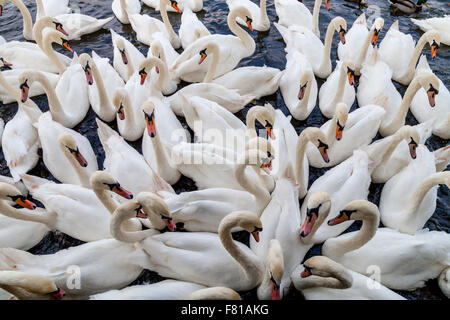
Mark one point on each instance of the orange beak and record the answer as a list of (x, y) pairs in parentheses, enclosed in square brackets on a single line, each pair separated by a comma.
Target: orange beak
[(376, 33), (175, 6), (6, 63), (434, 49), (143, 75), (301, 92), (65, 44), (255, 235), (327, 4), (431, 97), (342, 35), (60, 28), (412, 149), (249, 23), (275, 291), (342, 217), (151, 127), (267, 167), (24, 203), (203, 56), (323, 153), (310, 220), (88, 73), (122, 192), (124, 57), (170, 224), (58, 295), (141, 214), (269, 129), (79, 157), (351, 76), (305, 273)]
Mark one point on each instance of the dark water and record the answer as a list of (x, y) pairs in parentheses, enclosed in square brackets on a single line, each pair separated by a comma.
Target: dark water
[(269, 51)]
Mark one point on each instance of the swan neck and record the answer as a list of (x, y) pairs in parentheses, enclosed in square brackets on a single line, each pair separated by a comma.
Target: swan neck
[(166, 21), (245, 38), (365, 48), (422, 190), (81, 173), (105, 197), (334, 277), (302, 105), (213, 66), (48, 50), (261, 194), (326, 57), (396, 139), (341, 84), (103, 96), (315, 17), (118, 222), (41, 216), (27, 20), (123, 9), (53, 101), (302, 142), (410, 71)]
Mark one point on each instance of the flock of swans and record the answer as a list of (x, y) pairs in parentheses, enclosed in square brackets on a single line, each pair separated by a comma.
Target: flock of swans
[(129, 215)]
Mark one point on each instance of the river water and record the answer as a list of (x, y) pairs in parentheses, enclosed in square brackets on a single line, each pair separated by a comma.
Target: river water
[(269, 51)]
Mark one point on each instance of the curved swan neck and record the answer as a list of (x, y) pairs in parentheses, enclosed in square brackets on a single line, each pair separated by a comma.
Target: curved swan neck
[(43, 217), (370, 221), (103, 96), (81, 173), (300, 150), (332, 276), (209, 76), (331, 138), (53, 101), (341, 84), (326, 57), (303, 104), (411, 69), (166, 21), (251, 270), (27, 20), (129, 111), (425, 186), (117, 223), (400, 116), (48, 50), (315, 18), (245, 38), (396, 139), (261, 194), (105, 198), (123, 9)]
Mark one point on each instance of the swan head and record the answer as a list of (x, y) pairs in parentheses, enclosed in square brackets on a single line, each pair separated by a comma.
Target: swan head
[(317, 138), (102, 180), (53, 36), (275, 267), (322, 266), (317, 210), (25, 80), (243, 13), (120, 99), (215, 293), (349, 67), (68, 144), (305, 81), (148, 107), (128, 210), (357, 210), (49, 22), (210, 47), (257, 158), (261, 144), (341, 119), (434, 40), (340, 26), (264, 115), (174, 4), (10, 193), (430, 83), (85, 61), (245, 219), (412, 137), (119, 43), (155, 205), (146, 67), (376, 28), (5, 64), (157, 51)]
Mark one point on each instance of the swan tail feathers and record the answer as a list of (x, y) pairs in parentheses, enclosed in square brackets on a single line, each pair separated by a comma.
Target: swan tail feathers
[(104, 131), (423, 63), (283, 31), (102, 22), (442, 158), (394, 26), (361, 19), (33, 182)]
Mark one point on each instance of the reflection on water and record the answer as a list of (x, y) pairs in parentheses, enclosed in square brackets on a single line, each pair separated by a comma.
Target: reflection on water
[(270, 52)]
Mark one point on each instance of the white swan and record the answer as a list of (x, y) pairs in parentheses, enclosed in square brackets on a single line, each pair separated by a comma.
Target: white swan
[(320, 278), (191, 28), (94, 260), (53, 8), (440, 112), (391, 154), (232, 49), (169, 290), (176, 254), (339, 87), (305, 41), (358, 41), (28, 286), (375, 87), (164, 131), (127, 165), (176, 6), (67, 154), (298, 85), (203, 210), (440, 24), (69, 101), (403, 65), (74, 210), (122, 8), (102, 79), (348, 181), (160, 56), (17, 233), (409, 211), (257, 81), (146, 26), (346, 132), (20, 140), (260, 20), (405, 261), (292, 12), (126, 57), (38, 56), (76, 24)]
